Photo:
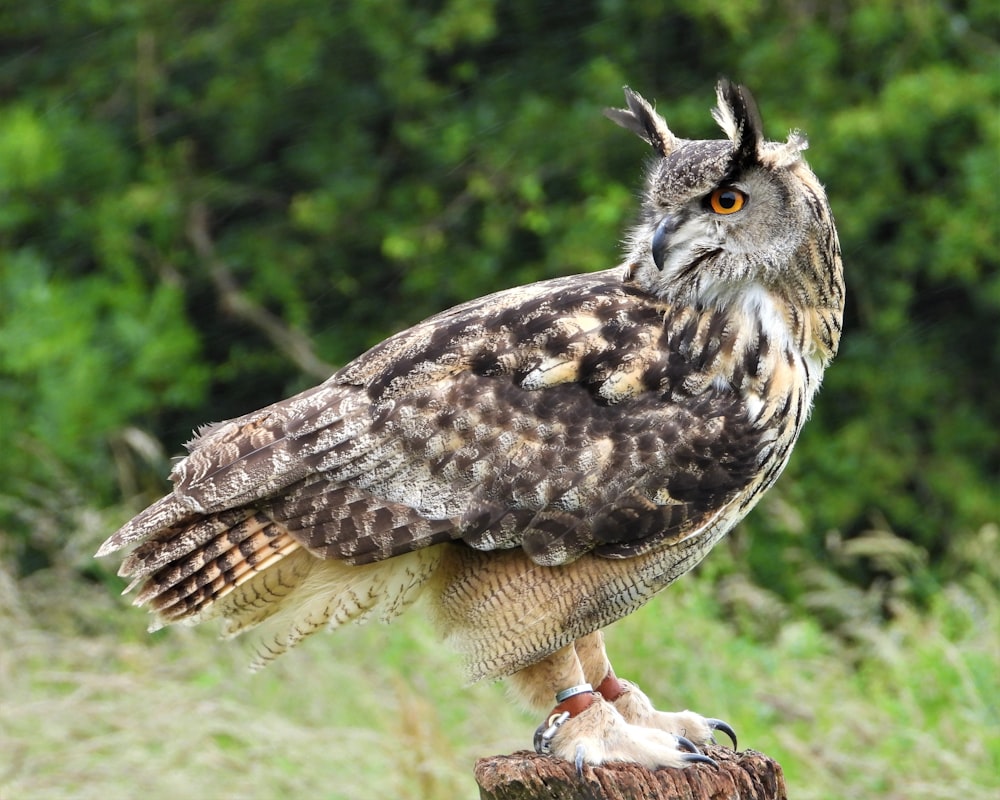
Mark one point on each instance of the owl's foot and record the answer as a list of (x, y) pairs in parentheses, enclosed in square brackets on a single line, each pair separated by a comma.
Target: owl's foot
[(633, 704), (587, 729)]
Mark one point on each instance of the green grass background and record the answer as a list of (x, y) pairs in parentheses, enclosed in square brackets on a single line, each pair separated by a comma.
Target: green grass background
[(91, 706)]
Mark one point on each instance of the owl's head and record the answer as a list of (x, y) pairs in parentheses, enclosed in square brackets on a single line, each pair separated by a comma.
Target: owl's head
[(721, 216)]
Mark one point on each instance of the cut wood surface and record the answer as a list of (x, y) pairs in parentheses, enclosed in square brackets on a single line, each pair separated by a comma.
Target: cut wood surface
[(525, 775)]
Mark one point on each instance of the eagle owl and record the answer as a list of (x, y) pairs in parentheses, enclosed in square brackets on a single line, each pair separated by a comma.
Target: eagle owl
[(535, 464)]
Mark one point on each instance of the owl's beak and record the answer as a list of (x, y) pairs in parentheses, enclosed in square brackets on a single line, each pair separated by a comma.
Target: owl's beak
[(661, 239)]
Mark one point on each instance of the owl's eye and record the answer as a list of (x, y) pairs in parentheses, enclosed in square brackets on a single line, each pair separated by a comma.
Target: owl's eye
[(727, 200)]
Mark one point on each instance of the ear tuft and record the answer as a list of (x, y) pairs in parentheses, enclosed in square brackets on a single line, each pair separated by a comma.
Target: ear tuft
[(739, 119), (644, 122), (781, 156)]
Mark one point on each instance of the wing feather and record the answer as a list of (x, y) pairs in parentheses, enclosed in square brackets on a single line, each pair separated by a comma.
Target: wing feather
[(564, 417)]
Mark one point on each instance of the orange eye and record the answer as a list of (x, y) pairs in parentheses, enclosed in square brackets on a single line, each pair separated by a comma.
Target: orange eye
[(727, 200)]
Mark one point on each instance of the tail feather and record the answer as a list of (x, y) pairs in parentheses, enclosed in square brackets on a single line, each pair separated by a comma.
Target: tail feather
[(198, 593), (242, 566), (165, 514), (234, 550), (201, 536)]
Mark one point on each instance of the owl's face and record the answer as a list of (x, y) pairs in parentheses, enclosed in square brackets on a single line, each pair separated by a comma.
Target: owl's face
[(720, 216)]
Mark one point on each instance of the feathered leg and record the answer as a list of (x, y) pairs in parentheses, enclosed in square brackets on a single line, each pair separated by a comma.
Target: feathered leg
[(633, 704), (586, 728)]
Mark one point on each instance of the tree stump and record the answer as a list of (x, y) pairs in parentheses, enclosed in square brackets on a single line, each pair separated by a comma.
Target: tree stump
[(525, 775)]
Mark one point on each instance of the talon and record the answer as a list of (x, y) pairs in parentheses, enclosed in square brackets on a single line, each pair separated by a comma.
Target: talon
[(545, 732), (579, 760), (725, 727), (686, 744), (569, 703), (698, 758)]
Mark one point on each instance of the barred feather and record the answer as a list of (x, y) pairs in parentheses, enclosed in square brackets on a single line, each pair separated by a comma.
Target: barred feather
[(587, 438)]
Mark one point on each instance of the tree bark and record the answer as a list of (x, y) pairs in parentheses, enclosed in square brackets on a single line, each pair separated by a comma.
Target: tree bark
[(525, 775)]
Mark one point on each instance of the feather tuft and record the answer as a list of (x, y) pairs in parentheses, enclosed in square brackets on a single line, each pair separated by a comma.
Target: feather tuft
[(737, 115), (644, 122)]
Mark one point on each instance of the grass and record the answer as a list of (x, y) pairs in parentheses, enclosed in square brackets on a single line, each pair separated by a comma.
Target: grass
[(93, 707)]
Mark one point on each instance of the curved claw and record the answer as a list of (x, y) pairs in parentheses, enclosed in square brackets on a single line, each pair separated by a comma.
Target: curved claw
[(686, 744), (698, 758), (725, 727), (539, 742), (578, 760), (545, 732)]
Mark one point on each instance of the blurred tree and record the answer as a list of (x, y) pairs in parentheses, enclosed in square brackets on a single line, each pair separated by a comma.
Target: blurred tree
[(202, 206)]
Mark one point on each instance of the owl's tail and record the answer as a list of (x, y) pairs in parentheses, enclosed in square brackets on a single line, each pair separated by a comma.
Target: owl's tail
[(247, 569)]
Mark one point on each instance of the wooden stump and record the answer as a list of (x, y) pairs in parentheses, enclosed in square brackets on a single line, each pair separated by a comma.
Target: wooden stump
[(525, 775)]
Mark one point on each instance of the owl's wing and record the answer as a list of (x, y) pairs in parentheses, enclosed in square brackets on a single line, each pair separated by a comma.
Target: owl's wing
[(561, 417), (568, 416)]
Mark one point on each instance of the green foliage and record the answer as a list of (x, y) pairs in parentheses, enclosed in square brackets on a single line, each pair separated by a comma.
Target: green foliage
[(201, 203), (189, 192)]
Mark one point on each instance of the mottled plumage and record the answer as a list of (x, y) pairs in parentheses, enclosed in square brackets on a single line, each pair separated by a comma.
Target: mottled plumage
[(539, 462)]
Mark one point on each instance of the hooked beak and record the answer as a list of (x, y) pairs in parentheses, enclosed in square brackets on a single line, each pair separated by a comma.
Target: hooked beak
[(661, 239)]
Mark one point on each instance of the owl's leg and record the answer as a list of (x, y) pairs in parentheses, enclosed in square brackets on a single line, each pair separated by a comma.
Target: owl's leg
[(586, 728), (633, 704)]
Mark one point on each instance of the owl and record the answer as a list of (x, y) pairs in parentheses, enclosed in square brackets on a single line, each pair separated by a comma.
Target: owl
[(535, 464)]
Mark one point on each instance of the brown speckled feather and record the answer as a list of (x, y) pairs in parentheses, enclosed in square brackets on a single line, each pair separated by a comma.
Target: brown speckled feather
[(564, 417), (636, 413)]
